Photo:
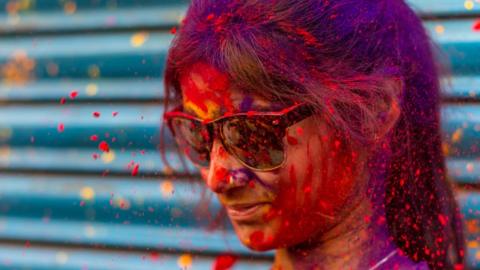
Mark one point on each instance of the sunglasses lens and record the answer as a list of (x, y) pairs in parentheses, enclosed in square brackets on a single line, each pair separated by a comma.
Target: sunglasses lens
[(255, 141), (194, 139)]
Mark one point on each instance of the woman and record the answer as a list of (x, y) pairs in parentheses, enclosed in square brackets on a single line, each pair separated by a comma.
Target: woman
[(316, 124)]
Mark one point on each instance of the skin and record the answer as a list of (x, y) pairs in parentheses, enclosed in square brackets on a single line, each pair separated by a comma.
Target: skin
[(313, 212)]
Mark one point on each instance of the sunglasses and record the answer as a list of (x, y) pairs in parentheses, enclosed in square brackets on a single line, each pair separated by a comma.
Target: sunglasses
[(255, 139)]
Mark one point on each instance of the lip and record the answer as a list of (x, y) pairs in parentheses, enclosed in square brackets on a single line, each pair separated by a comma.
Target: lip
[(245, 211)]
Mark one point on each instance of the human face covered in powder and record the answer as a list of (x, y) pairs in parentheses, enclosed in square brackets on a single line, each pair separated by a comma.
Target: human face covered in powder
[(286, 206)]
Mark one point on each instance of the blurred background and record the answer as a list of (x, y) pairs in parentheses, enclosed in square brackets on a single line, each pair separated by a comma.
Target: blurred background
[(82, 185)]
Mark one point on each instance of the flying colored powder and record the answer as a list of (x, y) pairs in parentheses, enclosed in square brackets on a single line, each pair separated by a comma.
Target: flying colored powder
[(476, 25), (154, 256), (73, 94), (224, 262), (60, 127), (103, 146), (135, 169)]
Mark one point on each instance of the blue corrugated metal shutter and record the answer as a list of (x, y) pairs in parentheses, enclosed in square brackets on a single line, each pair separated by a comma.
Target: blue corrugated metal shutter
[(64, 204)]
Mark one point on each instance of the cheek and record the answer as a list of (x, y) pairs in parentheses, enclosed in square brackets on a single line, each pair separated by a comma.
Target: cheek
[(315, 186)]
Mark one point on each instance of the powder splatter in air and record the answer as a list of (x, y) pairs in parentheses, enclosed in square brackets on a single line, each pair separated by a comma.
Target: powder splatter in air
[(73, 94), (103, 146), (135, 169), (60, 127), (476, 26), (224, 262)]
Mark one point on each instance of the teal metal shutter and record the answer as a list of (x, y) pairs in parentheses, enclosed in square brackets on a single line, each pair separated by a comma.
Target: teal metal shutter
[(80, 75)]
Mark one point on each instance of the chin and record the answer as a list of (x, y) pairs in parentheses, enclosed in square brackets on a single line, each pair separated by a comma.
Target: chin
[(258, 237)]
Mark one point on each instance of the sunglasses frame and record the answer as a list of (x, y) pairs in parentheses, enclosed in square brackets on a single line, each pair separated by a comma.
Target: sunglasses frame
[(286, 118)]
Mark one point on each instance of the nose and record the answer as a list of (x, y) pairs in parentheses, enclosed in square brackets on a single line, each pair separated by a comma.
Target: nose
[(222, 175)]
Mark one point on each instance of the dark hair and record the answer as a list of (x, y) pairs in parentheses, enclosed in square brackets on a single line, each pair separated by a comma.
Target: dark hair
[(335, 55)]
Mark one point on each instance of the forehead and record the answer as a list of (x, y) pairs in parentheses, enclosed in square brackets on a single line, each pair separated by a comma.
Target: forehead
[(208, 93)]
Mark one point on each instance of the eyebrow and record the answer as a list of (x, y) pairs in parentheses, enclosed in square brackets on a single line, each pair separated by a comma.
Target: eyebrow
[(271, 107)]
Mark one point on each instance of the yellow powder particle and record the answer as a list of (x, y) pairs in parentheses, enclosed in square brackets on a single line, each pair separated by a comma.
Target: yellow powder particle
[(469, 5), (185, 261), (138, 39), (87, 193), (108, 157), (457, 135), (167, 189), (91, 89), (440, 29), (61, 257)]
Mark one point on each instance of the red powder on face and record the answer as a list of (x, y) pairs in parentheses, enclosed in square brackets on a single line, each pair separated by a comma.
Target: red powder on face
[(337, 144), (222, 153), (205, 83), (271, 214), (256, 238), (325, 207), (292, 140), (293, 177), (221, 174), (300, 131)]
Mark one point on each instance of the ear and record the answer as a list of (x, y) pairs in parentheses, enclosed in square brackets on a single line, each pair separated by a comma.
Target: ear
[(390, 107)]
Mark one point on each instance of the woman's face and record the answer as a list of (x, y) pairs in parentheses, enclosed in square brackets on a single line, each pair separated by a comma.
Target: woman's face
[(283, 207)]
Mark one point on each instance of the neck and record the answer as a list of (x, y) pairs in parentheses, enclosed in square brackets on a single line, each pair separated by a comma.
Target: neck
[(359, 241)]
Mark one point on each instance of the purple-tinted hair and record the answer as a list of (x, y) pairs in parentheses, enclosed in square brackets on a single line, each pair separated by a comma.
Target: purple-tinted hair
[(335, 55)]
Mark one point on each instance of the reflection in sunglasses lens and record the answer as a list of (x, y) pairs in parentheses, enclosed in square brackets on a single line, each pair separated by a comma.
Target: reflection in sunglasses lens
[(194, 139), (255, 142)]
